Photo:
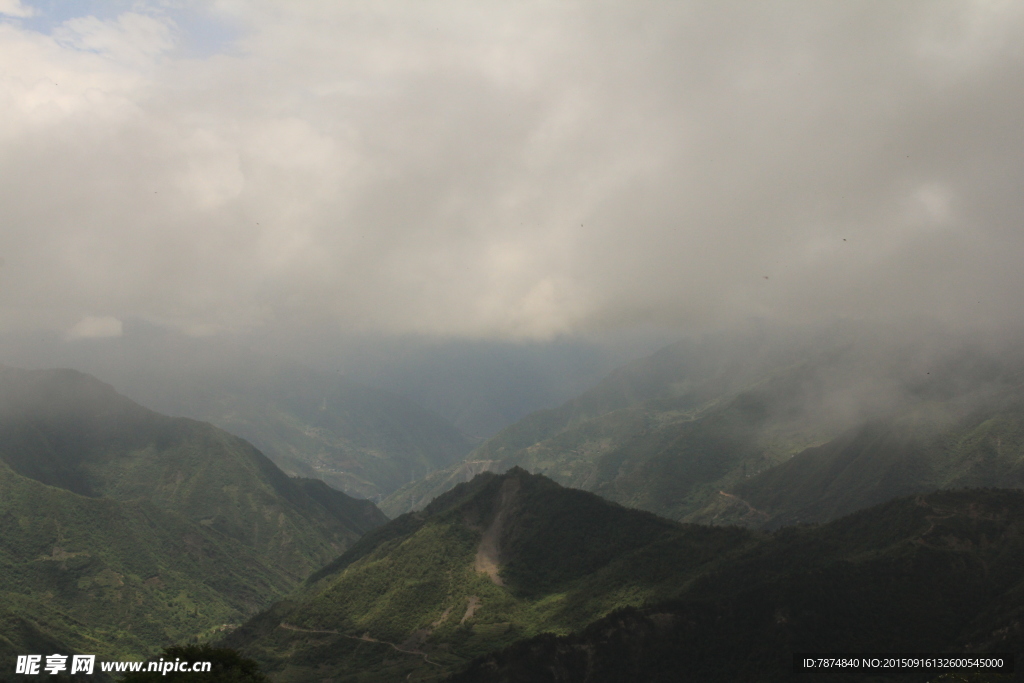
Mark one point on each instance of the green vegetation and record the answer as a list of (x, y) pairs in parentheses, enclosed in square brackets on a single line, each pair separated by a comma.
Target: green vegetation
[(122, 530), (924, 450), (491, 562), (674, 433), (933, 573), (116, 578)]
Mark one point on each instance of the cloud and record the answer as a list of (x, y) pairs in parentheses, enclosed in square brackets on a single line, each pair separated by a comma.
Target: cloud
[(517, 170), (15, 8), (132, 39), (91, 327)]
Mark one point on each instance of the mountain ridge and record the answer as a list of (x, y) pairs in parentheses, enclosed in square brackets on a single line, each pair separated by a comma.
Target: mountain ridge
[(314, 424), (617, 594)]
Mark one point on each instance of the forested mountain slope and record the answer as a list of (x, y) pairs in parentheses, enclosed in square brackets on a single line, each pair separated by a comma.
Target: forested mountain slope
[(978, 443), (497, 559), (124, 530), (933, 573), (579, 589)]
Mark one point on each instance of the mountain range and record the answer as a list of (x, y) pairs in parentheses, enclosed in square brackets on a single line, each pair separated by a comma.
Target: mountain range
[(708, 431), (934, 573), (493, 561), (724, 502)]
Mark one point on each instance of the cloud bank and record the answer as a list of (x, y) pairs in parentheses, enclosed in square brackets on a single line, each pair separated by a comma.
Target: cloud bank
[(510, 170)]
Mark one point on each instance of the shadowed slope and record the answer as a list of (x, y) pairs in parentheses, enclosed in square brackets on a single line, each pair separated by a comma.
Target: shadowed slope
[(935, 573)]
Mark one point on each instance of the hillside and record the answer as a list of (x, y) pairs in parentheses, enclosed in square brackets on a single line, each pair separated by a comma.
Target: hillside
[(125, 530), (495, 560), (568, 443), (116, 578), (360, 440), (669, 433), (543, 583), (933, 573), (940, 446)]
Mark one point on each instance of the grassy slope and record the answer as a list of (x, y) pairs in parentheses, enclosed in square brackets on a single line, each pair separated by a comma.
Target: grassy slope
[(567, 557)]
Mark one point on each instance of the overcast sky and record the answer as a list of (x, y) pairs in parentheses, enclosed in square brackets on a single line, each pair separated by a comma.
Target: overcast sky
[(508, 170)]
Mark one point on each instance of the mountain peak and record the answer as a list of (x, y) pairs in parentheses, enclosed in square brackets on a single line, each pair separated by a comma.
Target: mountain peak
[(497, 558)]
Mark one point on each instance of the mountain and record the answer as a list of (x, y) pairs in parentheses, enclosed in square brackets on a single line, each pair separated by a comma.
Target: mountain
[(529, 581), (670, 433), (669, 387), (360, 440), (977, 443), (925, 574), (494, 560), (124, 530)]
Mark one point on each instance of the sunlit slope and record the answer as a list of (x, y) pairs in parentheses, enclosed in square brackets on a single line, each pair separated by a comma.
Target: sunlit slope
[(933, 573), (116, 578), (130, 530), (500, 558)]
